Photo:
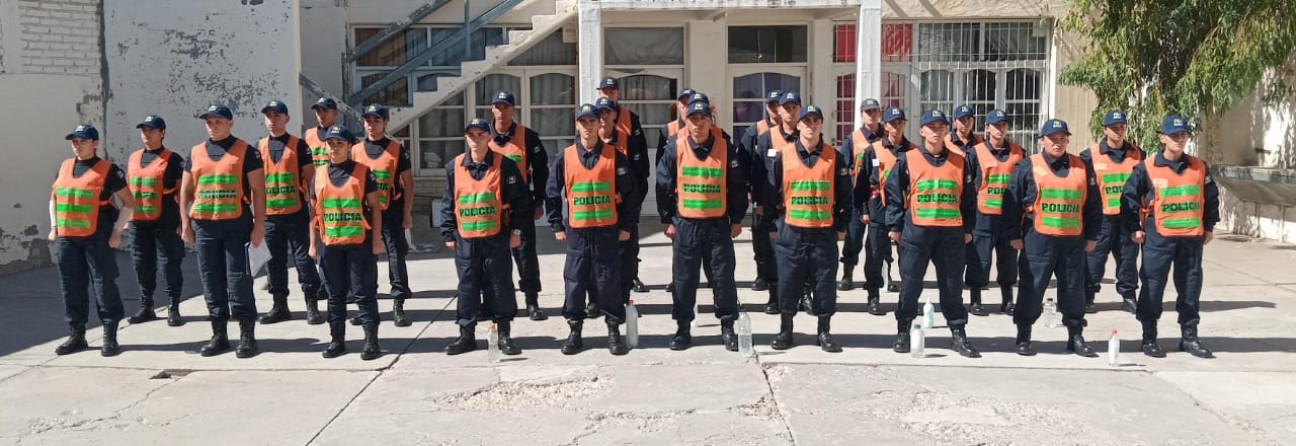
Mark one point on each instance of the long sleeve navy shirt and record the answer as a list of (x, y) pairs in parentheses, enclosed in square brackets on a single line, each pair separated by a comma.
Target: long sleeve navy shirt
[(841, 184), (1138, 190), (627, 209), (897, 194), (513, 193), (1022, 192), (987, 224), (735, 178), (868, 182), (537, 159)]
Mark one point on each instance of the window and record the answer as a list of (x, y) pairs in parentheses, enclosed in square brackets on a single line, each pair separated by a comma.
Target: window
[(652, 97), (749, 97), (643, 46), (550, 51), (485, 93), (767, 44), (441, 133), (397, 50), (552, 103)]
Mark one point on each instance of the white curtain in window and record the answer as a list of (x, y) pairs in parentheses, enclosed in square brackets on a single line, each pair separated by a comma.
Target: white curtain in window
[(550, 51), (643, 46)]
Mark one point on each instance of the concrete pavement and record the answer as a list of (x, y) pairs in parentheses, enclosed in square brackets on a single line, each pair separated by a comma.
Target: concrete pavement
[(159, 391)]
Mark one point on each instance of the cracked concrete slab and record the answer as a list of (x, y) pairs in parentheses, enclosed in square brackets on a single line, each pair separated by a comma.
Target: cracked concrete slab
[(1237, 398), (47, 402)]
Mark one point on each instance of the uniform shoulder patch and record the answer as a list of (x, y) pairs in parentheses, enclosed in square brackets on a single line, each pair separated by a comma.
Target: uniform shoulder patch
[(622, 171), (512, 179)]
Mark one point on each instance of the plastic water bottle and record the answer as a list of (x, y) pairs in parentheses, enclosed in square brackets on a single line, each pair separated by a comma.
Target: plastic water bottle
[(492, 344), (632, 325), (929, 315), (1051, 317), (917, 343), (697, 309), (1113, 350), (744, 335)]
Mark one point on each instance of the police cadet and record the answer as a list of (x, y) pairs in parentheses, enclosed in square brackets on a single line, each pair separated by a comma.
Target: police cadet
[(963, 138), (390, 163), (347, 215), (853, 149), (680, 122), (85, 228), (484, 193), (809, 188), (288, 168), (766, 267), (154, 173), (523, 146), (1113, 159), (771, 144), (994, 160), (613, 134), (587, 194), (326, 111), (224, 192), (636, 151), (1051, 213), (1182, 208), (701, 198), (929, 211), (869, 198)]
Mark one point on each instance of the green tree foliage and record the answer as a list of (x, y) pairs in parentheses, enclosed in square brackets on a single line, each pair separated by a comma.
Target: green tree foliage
[(1197, 58)]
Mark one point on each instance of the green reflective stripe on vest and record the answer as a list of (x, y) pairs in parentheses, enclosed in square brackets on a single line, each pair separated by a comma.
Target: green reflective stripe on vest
[(341, 203), (597, 214), (804, 214), (997, 178), (143, 181), (78, 223), (218, 178), (143, 195), (146, 208), (1117, 177), (591, 186), (936, 184), (73, 207), (319, 155), (691, 203), (381, 174), (1183, 222), (937, 213), (703, 172), (343, 231), (810, 185), (277, 203), (993, 202), (477, 198), (1059, 222), (281, 177), (213, 207), (1173, 191), (74, 192), (1069, 194), (515, 157), (479, 225), (1113, 202)]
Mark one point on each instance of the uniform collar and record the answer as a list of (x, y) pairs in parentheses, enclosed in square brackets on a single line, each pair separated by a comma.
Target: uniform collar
[(1056, 163), (703, 146), (468, 162), (1107, 150), (903, 146), (1178, 166), (589, 152)]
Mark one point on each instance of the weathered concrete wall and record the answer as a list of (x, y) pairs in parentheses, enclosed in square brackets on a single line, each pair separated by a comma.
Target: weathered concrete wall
[(50, 62), (174, 58), (323, 40)]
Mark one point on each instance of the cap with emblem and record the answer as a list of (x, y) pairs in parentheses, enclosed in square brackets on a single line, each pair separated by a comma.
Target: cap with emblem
[(1054, 126), (1174, 124), (153, 122), (1113, 117), (685, 93), (339, 132), (995, 117), (504, 97), (790, 97), (477, 123), (808, 111), (605, 104), (325, 103), (697, 107), (773, 96), (608, 82), (700, 97), (963, 111), (586, 110), (378, 110), (870, 104), (893, 114), (931, 116), (84, 131), (276, 106), (217, 111)]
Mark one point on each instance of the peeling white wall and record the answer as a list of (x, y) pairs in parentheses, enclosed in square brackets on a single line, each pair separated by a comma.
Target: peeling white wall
[(174, 58)]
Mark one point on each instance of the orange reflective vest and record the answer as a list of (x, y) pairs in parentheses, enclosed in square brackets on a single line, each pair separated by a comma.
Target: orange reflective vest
[(479, 205), (1059, 201), (515, 150), (701, 184), (591, 193), (674, 127), (383, 168), (220, 189), (762, 127), (76, 199), (319, 148), (886, 160), (994, 177), (934, 191), (1112, 176), (1179, 199), (339, 210), (146, 184), (622, 142), (283, 194), (808, 191), (859, 145), (623, 121), (949, 142)]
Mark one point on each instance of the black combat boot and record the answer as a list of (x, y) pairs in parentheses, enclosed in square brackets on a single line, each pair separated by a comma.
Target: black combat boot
[(683, 339), (505, 331), (1149, 345), (398, 313), (110, 346), (466, 342), (1129, 303), (573, 345), (278, 311), (337, 340), (772, 306), (975, 308), (1024, 347), (145, 312), (824, 338), (901, 344), (784, 339), (533, 307), (75, 342), (1089, 302), (960, 343), (846, 283), (1007, 306), (616, 344), (313, 315), (727, 336), (247, 347), (1076, 342), (875, 303), (1191, 344), (370, 351), (219, 341), (760, 284), (173, 313)]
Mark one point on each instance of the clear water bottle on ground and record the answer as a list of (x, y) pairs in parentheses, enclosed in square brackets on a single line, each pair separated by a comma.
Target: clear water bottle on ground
[(1113, 350), (492, 344), (632, 325), (929, 315), (697, 309), (743, 327), (1051, 317), (917, 343)]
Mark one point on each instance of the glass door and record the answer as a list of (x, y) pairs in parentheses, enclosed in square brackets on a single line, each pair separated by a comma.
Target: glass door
[(749, 85)]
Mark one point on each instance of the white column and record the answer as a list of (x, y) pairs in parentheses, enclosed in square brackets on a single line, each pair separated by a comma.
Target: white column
[(706, 68), (868, 54), (590, 49), (821, 90)]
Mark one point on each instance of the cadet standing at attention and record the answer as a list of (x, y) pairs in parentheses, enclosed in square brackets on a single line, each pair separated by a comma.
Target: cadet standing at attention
[(1113, 160), (766, 274), (523, 146), (154, 173), (636, 151), (994, 160), (288, 169), (390, 163), (869, 198), (853, 149)]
